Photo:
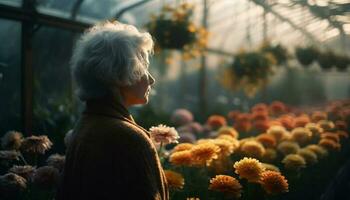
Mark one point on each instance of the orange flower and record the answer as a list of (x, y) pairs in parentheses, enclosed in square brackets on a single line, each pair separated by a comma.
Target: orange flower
[(326, 125), (227, 185), (204, 153), (277, 108), (174, 179), (182, 147), (314, 128), (227, 130), (261, 125), (233, 114), (252, 148), (226, 148), (273, 182), (278, 132), (249, 168), (301, 135), (343, 134), (270, 167), (329, 144), (331, 136), (287, 121), (267, 140), (216, 121), (301, 121), (234, 142), (260, 116), (318, 115), (341, 125), (181, 158), (294, 162), (260, 107), (243, 126)]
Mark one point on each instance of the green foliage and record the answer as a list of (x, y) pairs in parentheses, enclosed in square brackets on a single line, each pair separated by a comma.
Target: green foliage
[(307, 55)]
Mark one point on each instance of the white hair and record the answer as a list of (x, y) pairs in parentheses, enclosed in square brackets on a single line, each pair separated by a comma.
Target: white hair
[(109, 55)]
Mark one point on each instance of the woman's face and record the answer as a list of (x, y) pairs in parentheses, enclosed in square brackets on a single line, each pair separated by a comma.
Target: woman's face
[(138, 93)]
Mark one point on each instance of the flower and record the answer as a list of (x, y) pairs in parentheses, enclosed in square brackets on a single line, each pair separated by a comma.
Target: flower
[(252, 148), (314, 128), (183, 147), (226, 148), (227, 185), (216, 121), (270, 167), (301, 121), (326, 125), (260, 116), (249, 168), (11, 185), (329, 144), (267, 140), (294, 162), (318, 115), (181, 158), (36, 144), (287, 121), (187, 137), (164, 134), (277, 108), (331, 136), (301, 135), (174, 179), (343, 134), (204, 153), (234, 142), (273, 182), (9, 155), (320, 151), (192, 198), (46, 177), (309, 156), (262, 125), (288, 147), (233, 114), (260, 107), (227, 130), (277, 131), (270, 155), (25, 171), (341, 125), (57, 161), (181, 117), (11, 140)]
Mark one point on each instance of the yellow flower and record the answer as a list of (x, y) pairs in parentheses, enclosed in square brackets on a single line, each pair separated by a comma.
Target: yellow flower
[(294, 162), (204, 153), (270, 167), (277, 131), (330, 136), (326, 125), (174, 179), (329, 144), (309, 156), (318, 115), (301, 135), (227, 185), (318, 150), (273, 182), (181, 158), (192, 198), (227, 130), (183, 147), (288, 147), (253, 149), (226, 148), (191, 28), (234, 142), (314, 128), (249, 168), (270, 155), (267, 140)]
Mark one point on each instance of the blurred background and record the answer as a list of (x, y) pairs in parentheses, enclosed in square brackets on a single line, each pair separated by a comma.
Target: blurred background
[(211, 57)]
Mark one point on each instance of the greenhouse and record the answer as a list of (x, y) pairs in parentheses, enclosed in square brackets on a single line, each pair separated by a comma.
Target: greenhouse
[(175, 99)]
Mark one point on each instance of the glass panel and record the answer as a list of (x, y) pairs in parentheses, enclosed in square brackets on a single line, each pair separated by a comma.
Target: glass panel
[(54, 102), (10, 76), (16, 3)]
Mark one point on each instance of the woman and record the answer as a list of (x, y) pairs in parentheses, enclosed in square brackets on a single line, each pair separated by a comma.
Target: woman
[(110, 156)]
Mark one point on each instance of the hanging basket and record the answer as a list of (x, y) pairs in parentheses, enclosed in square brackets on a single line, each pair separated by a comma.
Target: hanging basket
[(342, 62), (306, 56), (326, 60), (279, 52)]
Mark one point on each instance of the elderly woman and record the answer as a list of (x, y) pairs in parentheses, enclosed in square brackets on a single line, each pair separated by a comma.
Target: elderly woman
[(110, 156)]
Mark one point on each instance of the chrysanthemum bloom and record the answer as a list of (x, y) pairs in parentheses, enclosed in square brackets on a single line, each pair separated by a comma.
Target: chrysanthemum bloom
[(267, 140), (277, 131), (294, 162), (249, 168), (12, 140), (329, 144), (260, 107), (274, 182), (260, 116), (181, 158), (25, 171), (46, 177), (216, 121), (164, 134), (309, 156), (57, 161), (11, 185), (270, 167), (318, 115), (9, 155), (341, 125), (226, 148), (187, 137), (314, 128), (227, 130), (36, 144), (270, 155), (287, 121), (262, 125), (326, 125), (243, 117), (182, 147), (192, 198), (288, 147), (68, 138), (193, 127), (320, 151), (277, 108), (343, 134), (174, 179), (275, 122), (243, 126), (301, 121), (204, 153), (301, 135), (181, 117), (233, 115), (331, 136), (227, 185), (234, 142), (253, 149)]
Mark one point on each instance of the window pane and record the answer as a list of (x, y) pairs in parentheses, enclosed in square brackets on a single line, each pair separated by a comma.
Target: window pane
[(16, 3), (10, 76)]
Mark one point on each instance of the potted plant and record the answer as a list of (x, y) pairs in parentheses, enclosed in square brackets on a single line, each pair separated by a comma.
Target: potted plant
[(306, 55)]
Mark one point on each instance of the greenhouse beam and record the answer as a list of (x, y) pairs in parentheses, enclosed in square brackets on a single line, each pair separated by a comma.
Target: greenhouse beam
[(122, 11)]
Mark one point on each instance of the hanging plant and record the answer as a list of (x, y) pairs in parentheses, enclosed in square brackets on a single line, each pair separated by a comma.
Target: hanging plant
[(342, 62), (279, 52), (306, 55), (326, 60), (173, 29)]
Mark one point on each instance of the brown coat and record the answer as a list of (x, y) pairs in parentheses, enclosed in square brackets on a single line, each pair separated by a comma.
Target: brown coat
[(111, 157)]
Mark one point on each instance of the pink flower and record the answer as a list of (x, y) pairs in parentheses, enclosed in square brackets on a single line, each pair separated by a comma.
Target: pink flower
[(164, 134)]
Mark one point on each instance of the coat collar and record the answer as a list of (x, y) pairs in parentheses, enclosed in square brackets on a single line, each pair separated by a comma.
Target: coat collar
[(111, 107)]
